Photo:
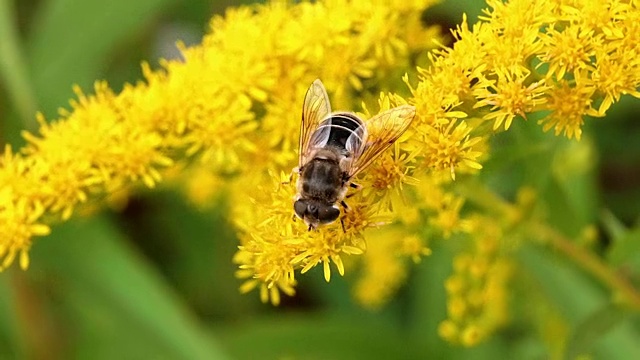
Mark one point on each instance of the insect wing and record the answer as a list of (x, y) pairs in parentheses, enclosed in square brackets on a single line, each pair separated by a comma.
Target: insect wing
[(382, 131), (316, 107)]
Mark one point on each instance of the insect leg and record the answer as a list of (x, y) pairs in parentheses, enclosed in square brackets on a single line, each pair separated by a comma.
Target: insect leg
[(346, 209), (358, 187)]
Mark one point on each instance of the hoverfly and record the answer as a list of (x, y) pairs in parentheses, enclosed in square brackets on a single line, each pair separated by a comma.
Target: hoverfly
[(334, 147)]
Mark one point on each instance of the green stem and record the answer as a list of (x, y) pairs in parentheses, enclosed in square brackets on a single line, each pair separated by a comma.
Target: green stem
[(591, 263), (13, 71)]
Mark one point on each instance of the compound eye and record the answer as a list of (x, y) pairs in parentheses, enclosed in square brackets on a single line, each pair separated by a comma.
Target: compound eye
[(300, 208), (328, 214)]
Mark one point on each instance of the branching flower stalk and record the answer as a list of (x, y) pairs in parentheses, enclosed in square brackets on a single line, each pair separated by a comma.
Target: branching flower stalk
[(518, 216), (234, 103)]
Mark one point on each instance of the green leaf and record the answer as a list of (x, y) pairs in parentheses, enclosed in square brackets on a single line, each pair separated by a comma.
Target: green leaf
[(625, 250), (593, 328), (577, 297), (336, 335), (71, 41), (192, 248), (573, 195), (612, 225), (13, 71), (112, 290), (428, 298), (427, 308)]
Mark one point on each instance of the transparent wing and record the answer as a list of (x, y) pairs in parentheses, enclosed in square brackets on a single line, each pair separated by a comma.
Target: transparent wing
[(355, 143), (382, 131), (316, 107)]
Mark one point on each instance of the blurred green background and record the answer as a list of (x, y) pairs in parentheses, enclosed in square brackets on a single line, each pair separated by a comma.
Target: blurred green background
[(156, 280)]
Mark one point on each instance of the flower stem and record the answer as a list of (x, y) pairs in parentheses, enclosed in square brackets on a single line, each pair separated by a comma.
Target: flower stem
[(590, 263)]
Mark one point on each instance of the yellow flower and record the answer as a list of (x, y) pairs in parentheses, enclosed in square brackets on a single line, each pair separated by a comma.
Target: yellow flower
[(511, 93), (568, 105), (266, 259), (201, 186), (614, 76), (20, 222), (451, 147), (413, 246), (471, 336), (447, 218), (383, 270), (568, 49), (477, 296), (386, 178), (448, 330), (233, 103)]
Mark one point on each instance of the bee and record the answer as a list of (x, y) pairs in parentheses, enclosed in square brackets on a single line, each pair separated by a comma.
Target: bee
[(334, 147)]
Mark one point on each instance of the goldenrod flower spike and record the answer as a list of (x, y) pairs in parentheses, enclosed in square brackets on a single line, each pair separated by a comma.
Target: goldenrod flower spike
[(498, 72), (234, 102)]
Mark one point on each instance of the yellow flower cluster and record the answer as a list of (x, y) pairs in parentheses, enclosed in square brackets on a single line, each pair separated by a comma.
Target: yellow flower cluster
[(513, 63), (256, 59), (384, 267), (364, 47), (565, 59), (477, 294), (235, 102)]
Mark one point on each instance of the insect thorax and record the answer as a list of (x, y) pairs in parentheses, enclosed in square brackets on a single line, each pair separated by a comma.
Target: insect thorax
[(322, 178)]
